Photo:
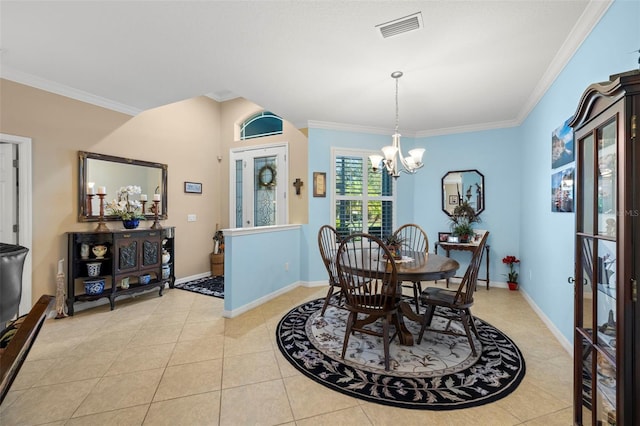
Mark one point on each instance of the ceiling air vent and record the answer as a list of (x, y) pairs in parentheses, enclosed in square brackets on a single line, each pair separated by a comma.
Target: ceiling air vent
[(402, 25)]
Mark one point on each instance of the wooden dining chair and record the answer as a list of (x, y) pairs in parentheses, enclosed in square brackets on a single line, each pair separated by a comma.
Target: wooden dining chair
[(368, 276), (454, 305), (328, 242), (413, 239)]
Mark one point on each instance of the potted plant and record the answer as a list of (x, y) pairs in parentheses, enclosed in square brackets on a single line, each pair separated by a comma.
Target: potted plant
[(393, 243), (462, 218), (512, 276), (217, 255), (126, 208)]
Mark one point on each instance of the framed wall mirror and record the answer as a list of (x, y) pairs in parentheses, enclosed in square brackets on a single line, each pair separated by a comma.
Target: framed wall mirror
[(460, 186), (112, 173)]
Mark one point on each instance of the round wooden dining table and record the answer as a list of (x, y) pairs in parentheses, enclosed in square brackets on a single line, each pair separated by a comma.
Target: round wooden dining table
[(414, 267)]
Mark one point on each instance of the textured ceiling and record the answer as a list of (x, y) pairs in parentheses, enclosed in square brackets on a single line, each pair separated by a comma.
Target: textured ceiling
[(475, 64)]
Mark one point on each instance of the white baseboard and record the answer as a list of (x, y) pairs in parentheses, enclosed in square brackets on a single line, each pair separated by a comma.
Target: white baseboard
[(192, 277), (264, 299), (564, 342)]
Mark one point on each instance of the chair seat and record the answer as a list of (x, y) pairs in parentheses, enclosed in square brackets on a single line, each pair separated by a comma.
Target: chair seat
[(458, 302), (441, 297)]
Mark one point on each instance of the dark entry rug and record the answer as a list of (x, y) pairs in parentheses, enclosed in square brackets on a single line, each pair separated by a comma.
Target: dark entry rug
[(211, 286), (439, 374)]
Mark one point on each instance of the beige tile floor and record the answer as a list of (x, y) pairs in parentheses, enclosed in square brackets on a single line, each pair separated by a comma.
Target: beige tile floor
[(174, 360)]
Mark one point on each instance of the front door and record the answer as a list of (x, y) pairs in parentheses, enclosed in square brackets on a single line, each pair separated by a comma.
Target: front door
[(259, 186), (8, 194)]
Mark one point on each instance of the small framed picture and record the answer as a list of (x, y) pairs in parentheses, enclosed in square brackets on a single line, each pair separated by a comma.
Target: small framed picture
[(193, 187), (453, 200), (443, 237), (319, 184)]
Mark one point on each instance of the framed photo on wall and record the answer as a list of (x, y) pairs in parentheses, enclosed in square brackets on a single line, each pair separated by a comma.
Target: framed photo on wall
[(319, 184), (193, 187), (562, 152)]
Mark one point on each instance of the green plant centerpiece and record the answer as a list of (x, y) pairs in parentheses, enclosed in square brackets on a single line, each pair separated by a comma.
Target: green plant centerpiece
[(394, 243), (462, 219)]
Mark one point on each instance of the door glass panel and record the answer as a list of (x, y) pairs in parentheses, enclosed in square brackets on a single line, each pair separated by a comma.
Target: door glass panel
[(266, 179), (606, 394), (587, 283), (586, 184), (586, 382), (606, 180), (606, 272), (238, 200)]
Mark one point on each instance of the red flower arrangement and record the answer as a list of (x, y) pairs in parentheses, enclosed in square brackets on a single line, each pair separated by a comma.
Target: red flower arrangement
[(512, 276)]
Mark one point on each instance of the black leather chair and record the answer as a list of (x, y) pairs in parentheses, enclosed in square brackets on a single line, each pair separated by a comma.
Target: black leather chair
[(11, 266)]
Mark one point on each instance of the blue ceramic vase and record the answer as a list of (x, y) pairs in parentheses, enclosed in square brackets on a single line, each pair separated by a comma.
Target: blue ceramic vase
[(131, 223)]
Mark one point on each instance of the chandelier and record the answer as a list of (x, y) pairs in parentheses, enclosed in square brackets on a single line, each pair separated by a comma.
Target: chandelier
[(392, 154)]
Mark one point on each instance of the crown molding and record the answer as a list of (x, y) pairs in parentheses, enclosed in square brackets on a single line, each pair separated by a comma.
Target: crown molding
[(327, 125), (469, 128), (60, 89), (592, 14), (420, 134)]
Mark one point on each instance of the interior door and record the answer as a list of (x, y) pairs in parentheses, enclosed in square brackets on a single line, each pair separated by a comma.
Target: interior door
[(8, 194), (259, 186)]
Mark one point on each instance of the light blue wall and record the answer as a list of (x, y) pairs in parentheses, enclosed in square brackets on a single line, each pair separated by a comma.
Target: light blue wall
[(547, 242), (255, 265), (516, 163)]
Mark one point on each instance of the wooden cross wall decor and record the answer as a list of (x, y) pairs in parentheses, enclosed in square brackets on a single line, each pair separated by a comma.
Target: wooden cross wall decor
[(298, 184)]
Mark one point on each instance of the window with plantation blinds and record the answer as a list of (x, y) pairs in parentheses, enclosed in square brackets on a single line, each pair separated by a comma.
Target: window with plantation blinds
[(364, 200)]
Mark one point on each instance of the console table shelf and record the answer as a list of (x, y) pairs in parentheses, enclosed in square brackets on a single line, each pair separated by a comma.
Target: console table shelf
[(131, 253), (448, 247)]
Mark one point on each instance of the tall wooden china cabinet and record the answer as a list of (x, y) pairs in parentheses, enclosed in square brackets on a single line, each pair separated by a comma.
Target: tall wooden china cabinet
[(607, 256)]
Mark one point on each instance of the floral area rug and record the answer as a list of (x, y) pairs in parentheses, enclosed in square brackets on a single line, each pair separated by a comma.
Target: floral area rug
[(211, 286), (439, 374)]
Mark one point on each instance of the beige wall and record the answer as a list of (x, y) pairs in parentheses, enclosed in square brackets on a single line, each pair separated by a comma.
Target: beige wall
[(235, 112), (188, 136)]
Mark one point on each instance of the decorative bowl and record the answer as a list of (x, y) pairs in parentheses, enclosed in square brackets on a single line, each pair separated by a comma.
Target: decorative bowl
[(144, 279), (99, 251), (94, 287), (93, 269)]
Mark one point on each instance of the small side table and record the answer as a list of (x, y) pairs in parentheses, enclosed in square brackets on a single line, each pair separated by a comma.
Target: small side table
[(447, 247)]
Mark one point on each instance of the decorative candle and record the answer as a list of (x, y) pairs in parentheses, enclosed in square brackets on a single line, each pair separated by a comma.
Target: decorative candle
[(143, 197), (156, 197), (90, 189), (102, 190), (60, 271)]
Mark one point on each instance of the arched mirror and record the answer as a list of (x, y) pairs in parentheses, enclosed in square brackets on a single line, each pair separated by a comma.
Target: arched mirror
[(112, 173), (460, 186)]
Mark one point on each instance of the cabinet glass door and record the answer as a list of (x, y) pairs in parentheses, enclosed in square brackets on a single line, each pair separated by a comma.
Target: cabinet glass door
[(596, 267)]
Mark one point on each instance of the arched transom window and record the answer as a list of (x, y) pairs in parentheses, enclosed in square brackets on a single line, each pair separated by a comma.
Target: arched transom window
[(264, 123)]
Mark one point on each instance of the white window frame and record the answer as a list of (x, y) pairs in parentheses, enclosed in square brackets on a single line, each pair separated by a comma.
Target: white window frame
[(365, 198)]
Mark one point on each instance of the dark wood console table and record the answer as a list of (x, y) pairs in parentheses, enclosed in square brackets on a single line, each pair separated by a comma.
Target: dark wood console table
[(131, 255), (447, 247)]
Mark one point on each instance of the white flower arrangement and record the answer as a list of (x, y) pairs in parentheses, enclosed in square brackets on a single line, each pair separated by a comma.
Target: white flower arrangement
[(124, 206)]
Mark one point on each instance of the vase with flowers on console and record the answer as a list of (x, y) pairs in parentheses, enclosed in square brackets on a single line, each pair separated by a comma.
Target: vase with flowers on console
[(127, 206)]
